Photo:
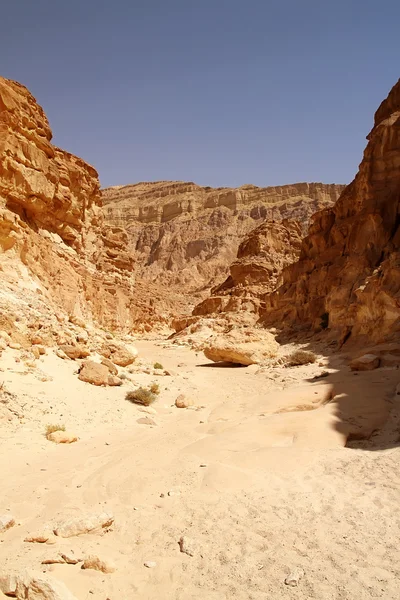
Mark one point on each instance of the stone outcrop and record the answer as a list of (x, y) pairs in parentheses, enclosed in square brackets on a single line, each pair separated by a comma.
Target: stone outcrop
[(53, 239), (348, 276), (185, 236), (261, 256)]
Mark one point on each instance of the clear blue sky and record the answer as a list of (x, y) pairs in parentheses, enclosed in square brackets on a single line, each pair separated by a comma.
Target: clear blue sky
[(220, 92)]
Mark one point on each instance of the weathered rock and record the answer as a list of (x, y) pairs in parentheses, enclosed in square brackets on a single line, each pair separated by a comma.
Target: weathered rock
[(294, 577), (97, 564), (74, 352), (62, 437), (188, 546), (110, 365), (150, 564), (114, 381), (8, 584), (183, 402), (242, 346), (94, 373), (44, 536), (84, 524), (120, 355), (36, 586), (367, 362), (348, 276), (6, 522)]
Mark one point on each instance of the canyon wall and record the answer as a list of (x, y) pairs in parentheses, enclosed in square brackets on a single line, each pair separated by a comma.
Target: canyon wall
[(348, 274), (185, 236), (54, 242)]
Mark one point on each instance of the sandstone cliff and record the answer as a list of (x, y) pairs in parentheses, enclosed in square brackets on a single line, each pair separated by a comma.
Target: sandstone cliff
[(53, 240), (348, 274), (185, 236)]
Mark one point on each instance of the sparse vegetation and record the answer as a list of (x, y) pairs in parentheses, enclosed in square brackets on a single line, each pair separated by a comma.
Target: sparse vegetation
[(157, 365), (52, 428), (155, 388), (324, 320), (300, 357), (141, 395)]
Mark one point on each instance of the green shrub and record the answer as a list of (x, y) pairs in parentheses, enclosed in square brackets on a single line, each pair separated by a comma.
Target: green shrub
[(300, 357), (157, 365), (155, 388)]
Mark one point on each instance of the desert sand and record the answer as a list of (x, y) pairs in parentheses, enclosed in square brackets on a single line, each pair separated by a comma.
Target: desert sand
[(254, 476)]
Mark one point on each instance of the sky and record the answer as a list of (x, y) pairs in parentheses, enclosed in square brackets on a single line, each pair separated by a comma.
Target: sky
[(219, 92)]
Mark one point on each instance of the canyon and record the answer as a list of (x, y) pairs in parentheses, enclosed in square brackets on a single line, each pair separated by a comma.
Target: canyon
[(199, 390)]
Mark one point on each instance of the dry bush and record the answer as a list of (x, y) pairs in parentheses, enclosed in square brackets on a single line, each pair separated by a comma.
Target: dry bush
[(52, 428), (157, 365), (155, 388), (141, 395), (300, 357)]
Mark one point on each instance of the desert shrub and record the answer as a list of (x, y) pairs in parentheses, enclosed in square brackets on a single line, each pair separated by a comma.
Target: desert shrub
[(52, 428), (157, 365), (141, 395), (155, 388), (300, 357), (324, 320)]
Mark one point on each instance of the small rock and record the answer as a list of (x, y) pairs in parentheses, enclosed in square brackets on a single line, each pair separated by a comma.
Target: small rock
[(53, 561), (61, 354), (148, 409), (6, 522), (113, 380), (95, 563), (368, 362), (62, 437), (84, 524), (174, 493), (45, 536), (35, 352), (74, 352), (183, 402), (188, 546), (294, 577), (146, 421), (71, 560), (15, 345), (110, 366), (150, 564), (203, 465)]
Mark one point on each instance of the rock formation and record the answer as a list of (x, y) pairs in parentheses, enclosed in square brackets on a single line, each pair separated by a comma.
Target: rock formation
[(184, 236), (348, 274), (55, 246), (260, 259)]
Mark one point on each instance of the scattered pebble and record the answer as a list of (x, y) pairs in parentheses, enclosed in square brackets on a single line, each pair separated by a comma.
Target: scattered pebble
[(294, 577), (150, 564)]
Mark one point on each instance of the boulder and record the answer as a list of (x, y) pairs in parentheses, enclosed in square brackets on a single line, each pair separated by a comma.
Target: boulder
[(242, 346), (119, 355), (367, 362), (36, 586), (94, 373), (74, 352), (84, 524)]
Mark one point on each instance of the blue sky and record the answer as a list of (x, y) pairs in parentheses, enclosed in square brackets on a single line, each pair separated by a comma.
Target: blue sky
[(221, 92)]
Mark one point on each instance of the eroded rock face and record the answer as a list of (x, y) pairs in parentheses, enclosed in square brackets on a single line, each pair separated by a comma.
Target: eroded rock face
[(244, 346), (185, 236), (261, 256), (53, 238), (348, 274)]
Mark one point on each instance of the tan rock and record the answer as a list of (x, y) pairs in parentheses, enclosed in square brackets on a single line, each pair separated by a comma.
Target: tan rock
[(36, 586), (94, 562), (62, 437), (84, 524), (188, 546), (114, 381), (8, 584), (183, 402), (74, 352), (15, 346), (119, 355), (242, 346), (94, 373), (35, 352), (6, 522), (44, 536), (146, 421), (367, 362), (110, 366)]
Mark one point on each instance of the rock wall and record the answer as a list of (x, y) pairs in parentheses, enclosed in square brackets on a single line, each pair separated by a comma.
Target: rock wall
[(186, 236), (348, 274), (53, 239)]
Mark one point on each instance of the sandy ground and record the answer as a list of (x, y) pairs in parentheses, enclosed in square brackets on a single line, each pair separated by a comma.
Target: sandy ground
[(257, 474)]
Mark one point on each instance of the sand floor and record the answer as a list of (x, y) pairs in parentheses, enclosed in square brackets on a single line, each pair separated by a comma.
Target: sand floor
[(257, 474)]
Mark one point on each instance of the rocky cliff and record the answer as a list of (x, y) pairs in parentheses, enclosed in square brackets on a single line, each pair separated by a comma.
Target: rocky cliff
[(53, 239), (185, 236), (348, 274)]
